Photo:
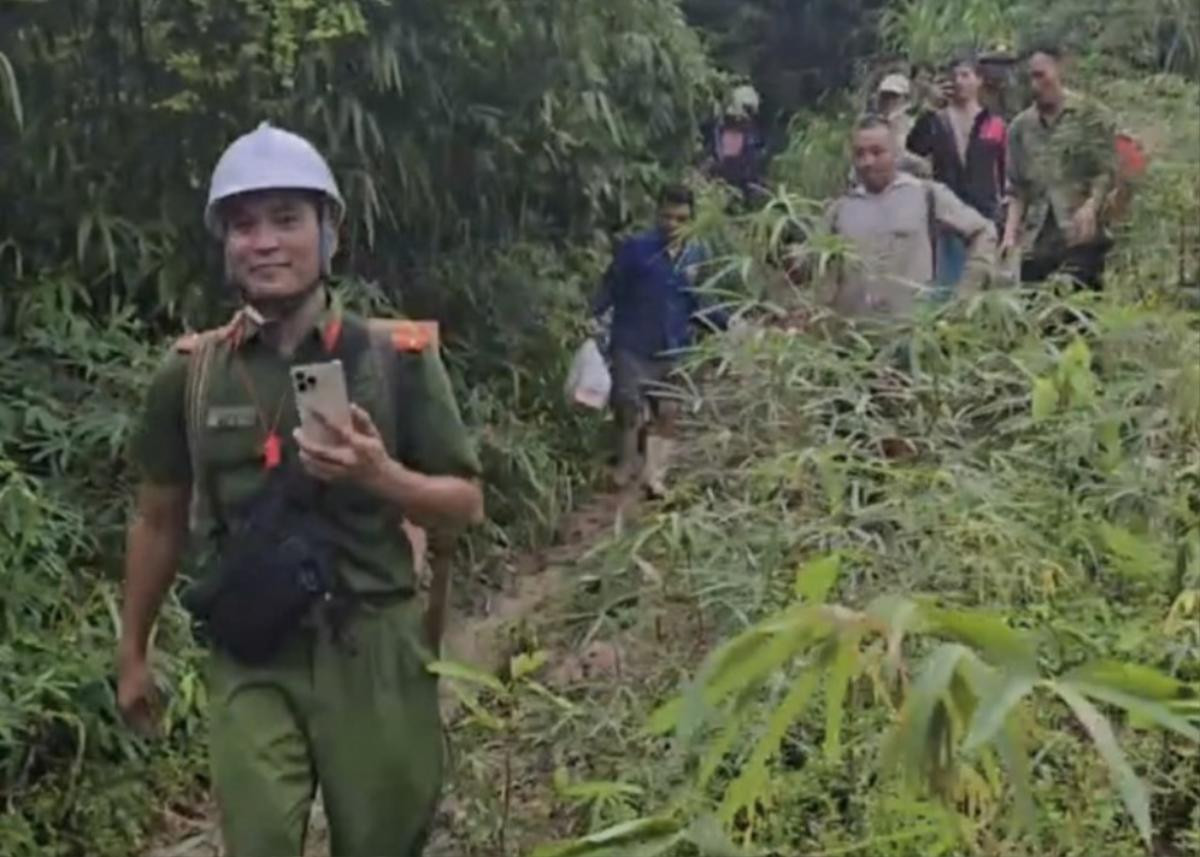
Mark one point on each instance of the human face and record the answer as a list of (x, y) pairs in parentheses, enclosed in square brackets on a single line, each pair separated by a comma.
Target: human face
[(966, 84), (874, 158), (1045, 79), (272, 244), (673, 219)]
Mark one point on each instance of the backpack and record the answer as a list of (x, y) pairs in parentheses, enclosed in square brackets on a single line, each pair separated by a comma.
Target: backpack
[(391, 342), (1132, 163)]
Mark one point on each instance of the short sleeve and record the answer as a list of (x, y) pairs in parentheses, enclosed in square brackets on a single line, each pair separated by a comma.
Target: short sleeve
[(1017, 161), (159, 449), (434, 440)]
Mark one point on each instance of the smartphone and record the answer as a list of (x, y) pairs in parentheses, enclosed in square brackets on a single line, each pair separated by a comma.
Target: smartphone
[(321, 389)]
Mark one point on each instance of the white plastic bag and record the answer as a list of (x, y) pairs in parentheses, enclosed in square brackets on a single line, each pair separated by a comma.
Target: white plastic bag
[(589, 382)]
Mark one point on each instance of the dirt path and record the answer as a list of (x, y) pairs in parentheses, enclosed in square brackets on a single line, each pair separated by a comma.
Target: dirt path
[(477, 636)]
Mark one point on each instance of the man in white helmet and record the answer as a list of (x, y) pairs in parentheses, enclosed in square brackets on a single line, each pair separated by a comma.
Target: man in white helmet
[(305, 589), (737, 150)]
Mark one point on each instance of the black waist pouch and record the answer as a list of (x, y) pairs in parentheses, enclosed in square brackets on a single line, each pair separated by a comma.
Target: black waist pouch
[(272, 568)]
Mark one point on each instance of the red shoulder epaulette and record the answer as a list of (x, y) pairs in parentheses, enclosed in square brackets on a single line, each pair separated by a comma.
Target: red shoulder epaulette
[(413, 337)]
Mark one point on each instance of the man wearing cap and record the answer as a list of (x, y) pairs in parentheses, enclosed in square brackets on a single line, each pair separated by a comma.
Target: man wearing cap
[(893, 104), (304, 586)]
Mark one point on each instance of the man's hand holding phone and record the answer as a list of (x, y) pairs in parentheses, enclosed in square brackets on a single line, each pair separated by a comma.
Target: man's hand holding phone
[(338, 441), (355, 452)]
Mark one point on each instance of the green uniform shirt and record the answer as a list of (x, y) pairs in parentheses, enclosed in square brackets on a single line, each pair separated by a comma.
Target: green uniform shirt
[(1054, 167), (249, 389)]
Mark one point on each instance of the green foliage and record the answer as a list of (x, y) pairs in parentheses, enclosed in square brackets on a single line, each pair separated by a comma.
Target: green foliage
[(999, 455), (1161, 35), (816, 162), (929, 33), (75, 779)]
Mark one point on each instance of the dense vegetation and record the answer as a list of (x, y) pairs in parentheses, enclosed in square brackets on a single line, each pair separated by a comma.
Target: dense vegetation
[(489, 149)]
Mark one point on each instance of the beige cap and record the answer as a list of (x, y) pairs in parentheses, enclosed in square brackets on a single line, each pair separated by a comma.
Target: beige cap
[(897, 84)]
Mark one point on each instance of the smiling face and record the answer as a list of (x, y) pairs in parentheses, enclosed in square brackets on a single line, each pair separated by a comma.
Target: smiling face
[(874, 157), (273, 244)]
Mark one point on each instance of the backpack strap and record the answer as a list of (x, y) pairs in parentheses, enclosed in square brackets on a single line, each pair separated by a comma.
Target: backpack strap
[(200, 348), (394, 343), (931, 225)]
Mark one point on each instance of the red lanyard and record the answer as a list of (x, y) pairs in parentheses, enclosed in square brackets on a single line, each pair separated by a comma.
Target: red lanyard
[(272, 445)]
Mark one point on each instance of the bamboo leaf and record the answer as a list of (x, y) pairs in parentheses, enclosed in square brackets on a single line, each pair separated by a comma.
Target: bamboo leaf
[(1133, 679), (1139, 708), (816, 578), (642, 837), (598, 790), (845, 665), (985, 632), (527, 663), (751, 784), (994, 710), (910, 744), (466, 673), (1132, 790), (1045, 399), (1011, 745), (743, 662), (8, 77)]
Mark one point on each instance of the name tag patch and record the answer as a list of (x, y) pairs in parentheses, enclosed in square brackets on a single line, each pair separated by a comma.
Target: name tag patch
[(231, 417)]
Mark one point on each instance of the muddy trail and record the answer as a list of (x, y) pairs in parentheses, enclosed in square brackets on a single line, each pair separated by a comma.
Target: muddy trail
[(476, 633)]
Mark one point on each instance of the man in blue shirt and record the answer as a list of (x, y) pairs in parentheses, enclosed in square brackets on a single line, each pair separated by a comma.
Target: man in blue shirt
[(650, 288)]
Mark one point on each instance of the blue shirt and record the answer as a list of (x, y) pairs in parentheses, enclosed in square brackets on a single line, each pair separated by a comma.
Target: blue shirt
[(653, 297)]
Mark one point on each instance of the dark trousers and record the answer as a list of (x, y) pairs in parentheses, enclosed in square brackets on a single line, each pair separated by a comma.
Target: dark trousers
[(1084, 264)]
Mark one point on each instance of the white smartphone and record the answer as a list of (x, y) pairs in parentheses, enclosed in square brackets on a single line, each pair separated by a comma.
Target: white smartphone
[(321, 389)]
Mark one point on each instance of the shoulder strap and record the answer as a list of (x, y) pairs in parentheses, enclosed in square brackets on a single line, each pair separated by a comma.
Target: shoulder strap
[(201, 349), (931, 224), (393, 343)]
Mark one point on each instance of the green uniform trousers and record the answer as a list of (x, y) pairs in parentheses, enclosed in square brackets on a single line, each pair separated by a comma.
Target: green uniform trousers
[(358, 716)]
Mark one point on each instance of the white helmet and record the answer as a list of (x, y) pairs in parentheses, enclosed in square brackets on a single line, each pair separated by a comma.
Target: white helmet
[(269, 158), (743, 101)]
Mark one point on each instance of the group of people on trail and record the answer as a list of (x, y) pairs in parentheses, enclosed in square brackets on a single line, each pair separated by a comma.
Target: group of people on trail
[(945, 201), (306, 588), (1046, 183)]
